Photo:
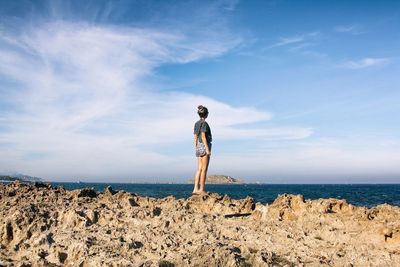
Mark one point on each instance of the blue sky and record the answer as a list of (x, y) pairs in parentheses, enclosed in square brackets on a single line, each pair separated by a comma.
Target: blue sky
[(298, 91)]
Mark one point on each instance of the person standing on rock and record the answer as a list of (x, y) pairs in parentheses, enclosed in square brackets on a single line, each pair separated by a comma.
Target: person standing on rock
[(202, 143)]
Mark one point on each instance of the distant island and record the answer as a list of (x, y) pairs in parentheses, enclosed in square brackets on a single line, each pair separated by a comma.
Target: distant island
[(18, 176), (220, 179)]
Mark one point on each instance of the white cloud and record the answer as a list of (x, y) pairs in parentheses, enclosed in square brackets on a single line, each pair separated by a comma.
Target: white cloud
[(353, 29), (80, 107), (318, 161), (296, 39), (365, 63)]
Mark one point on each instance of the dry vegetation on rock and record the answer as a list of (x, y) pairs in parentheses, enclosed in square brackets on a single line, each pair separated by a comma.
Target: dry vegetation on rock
[(41, 225)]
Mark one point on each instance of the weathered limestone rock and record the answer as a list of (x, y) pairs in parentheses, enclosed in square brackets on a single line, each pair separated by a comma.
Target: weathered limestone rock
[(41, 225)]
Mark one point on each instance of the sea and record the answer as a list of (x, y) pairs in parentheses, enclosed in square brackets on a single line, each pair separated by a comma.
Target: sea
[(368, 195)]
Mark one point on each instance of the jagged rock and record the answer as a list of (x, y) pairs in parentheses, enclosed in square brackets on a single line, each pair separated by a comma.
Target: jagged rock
[(50, 226), (87, 192), (110, 191), (41, 185)]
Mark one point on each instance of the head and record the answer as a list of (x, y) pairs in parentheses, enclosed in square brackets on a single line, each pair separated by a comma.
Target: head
[(202, 111)]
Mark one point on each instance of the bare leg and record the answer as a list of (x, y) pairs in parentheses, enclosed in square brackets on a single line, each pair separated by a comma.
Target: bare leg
[(197, 176), (204, 162)]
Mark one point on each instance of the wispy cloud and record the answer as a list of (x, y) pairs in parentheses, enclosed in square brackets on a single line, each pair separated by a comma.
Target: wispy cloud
[(296, 39), (76, 97), (306, 49), (323, 160), (364, 63), (229, 5), (353, 29)]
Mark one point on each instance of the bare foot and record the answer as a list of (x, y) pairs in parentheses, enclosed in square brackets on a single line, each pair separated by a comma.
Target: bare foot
[(196, 193)]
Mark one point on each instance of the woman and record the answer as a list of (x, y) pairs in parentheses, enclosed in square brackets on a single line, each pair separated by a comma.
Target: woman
[(202, 143)]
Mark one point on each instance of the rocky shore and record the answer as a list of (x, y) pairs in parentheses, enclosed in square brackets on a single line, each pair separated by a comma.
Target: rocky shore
[(41, 225)]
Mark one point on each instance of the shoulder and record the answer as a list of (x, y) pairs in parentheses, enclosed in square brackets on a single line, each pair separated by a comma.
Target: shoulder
[(205, 126)]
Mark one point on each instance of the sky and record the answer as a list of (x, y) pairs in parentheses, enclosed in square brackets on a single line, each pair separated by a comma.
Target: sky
[(107, 91)]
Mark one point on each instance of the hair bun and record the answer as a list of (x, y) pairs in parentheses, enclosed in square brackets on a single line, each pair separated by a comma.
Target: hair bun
[(202, 111)]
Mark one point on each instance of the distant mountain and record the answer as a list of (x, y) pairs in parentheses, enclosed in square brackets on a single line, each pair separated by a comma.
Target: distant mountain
[(220, 179), (19, 176), (7, 178)]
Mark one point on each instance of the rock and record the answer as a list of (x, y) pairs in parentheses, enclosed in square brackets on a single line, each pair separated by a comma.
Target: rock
[(9, 232), (62, 256), (87, 192), (110, 191), (165, 263), (41, 185), (51, 226), (136, 245), (133, 202)]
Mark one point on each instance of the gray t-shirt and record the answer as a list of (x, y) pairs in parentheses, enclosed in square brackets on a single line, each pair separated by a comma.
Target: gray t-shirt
[(201, 126)]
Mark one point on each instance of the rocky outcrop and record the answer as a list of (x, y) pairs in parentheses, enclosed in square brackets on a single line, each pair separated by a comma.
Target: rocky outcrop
[(41, 225)]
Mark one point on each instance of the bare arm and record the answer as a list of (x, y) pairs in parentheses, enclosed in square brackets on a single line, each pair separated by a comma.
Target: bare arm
[(195, 140), (204, 139)]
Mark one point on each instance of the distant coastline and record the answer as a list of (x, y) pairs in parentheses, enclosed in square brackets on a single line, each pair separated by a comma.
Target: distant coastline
[(20, 177), (223, 179)]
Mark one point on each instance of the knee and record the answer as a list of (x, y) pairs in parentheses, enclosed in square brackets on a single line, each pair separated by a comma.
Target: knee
[(203, 168)]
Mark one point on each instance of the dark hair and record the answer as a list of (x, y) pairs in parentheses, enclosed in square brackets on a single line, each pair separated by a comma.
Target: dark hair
[(202, 111)]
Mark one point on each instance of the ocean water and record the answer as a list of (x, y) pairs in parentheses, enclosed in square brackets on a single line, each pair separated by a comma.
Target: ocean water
[(368, 195)]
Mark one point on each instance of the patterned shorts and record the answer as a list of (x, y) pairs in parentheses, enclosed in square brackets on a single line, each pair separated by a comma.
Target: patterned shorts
[(201, 149)]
